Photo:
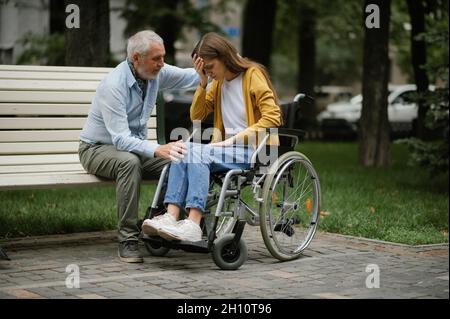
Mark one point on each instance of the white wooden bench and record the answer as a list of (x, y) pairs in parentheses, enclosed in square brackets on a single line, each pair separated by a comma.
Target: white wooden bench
[(42, 112)]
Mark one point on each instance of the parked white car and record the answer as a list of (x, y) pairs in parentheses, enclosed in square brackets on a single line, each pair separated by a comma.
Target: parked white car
[(342, 118)]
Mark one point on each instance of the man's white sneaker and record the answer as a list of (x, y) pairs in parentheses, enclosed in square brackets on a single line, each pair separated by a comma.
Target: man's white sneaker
[(185, 230), (150, 227)]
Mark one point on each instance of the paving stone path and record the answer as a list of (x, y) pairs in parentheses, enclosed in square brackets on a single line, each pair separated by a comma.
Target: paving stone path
[(334, 266)]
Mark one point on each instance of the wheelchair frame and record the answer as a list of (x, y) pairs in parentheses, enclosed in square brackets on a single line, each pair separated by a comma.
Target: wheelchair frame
[(224, 236)]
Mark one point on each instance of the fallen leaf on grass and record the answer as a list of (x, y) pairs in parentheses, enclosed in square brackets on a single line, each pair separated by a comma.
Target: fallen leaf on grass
[(50, 205)]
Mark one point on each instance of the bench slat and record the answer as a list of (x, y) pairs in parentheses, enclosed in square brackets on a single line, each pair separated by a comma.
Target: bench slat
[(50, 123), (46, 97), (43, 68), (23, 181), (79, 76), (47, 85), (44, 109), (47, 109), (50, 173), (42, 123), (39, 159), (40, 148), (50, 136), (39, 136), (45, 181), (21, 169)]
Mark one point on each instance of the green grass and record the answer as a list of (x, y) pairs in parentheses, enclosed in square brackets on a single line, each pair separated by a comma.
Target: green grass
[(59, 211), (400, 203)]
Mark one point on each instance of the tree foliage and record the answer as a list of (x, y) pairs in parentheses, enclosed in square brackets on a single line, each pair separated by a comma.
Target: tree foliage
[(339, 38), (167, 18), (434, 154), (42, 49), (400, 40)]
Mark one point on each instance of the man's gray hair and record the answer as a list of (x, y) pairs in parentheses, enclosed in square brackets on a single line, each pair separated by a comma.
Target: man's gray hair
[(141, 42)]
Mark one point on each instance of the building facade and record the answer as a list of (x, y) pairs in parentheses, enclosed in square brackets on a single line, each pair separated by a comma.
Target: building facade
[(19, 18)]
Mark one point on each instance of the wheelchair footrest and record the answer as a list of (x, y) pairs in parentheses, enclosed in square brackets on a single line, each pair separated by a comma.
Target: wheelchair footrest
[(195, 247)]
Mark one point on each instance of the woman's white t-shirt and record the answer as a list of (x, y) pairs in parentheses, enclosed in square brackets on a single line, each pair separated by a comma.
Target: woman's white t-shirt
[(233, 107)]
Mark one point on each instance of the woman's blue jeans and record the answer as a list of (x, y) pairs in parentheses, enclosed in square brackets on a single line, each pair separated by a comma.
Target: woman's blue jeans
[(188, 182)]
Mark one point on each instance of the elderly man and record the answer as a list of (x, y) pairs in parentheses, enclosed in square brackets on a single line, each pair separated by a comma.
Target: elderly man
[(113, 141)]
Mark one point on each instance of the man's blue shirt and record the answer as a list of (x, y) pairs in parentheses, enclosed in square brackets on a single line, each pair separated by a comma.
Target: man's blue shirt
[(119, 116)]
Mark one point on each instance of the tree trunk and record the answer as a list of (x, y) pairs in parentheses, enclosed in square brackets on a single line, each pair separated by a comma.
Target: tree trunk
[(307, 59), (89, 44), (169, 29), (374, 125), (57, 16), (259, 18), (419, 59)]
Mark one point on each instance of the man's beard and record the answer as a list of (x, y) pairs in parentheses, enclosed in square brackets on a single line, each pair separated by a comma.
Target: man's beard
[(146, 75)]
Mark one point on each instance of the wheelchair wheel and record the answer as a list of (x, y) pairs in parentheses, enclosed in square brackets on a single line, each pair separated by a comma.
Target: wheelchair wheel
[(289, 215), (156, 250), (227, 255)]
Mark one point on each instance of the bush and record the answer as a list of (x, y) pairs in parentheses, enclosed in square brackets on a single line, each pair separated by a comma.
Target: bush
[(43, 49), (434, 154)]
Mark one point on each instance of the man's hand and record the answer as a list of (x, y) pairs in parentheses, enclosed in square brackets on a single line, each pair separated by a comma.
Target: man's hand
[(173, 151)]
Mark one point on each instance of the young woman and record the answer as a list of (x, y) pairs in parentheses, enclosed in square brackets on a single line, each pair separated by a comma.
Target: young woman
[(244, 102)]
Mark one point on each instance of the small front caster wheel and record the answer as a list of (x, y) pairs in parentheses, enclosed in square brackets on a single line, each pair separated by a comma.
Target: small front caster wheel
[(156, 249), (228, 255)]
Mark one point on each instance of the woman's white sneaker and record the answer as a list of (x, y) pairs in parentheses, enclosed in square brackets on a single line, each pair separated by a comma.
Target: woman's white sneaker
[(150, 227), (185, 230)]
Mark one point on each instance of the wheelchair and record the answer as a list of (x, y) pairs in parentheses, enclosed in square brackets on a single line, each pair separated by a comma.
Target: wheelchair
[(285, 204)]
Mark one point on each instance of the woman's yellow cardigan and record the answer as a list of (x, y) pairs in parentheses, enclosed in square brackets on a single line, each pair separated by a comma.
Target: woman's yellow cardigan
[(260, 106)]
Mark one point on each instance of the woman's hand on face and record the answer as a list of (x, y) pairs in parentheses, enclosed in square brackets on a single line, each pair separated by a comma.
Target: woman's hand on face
[(198, 65)]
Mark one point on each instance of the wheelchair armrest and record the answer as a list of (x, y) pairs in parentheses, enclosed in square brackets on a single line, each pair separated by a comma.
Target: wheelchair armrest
[(290, 132), (285, 134), (293, 135)]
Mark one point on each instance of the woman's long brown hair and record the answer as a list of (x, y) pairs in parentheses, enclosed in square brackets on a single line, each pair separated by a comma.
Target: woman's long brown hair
[(214, 46)]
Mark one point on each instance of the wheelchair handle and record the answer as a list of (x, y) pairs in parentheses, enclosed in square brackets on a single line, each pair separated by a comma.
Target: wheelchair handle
[(301, 96)]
